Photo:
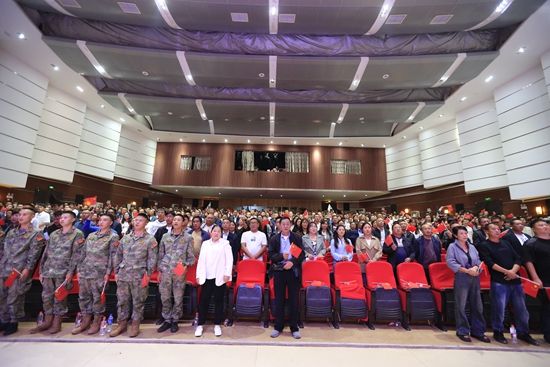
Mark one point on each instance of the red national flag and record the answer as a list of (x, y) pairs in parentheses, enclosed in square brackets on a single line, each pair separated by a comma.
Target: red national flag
[(349, 248), (61, 292), (441, 228), (13, 275), (530, 288), (266, 221), (503, 234), (179, 270), (387, 221), (411, 228), (483, 211), (389, 240), (295, 251), (90, 201), (471, 224), (363, 257), (305, 213), (401, 212), (510, 216), (450, 208)]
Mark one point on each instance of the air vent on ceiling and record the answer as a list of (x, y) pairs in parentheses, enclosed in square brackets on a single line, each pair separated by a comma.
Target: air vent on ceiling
[(396, 19), (287, 18), (69, 3), (239, 17), (441, 19), (129, 8)]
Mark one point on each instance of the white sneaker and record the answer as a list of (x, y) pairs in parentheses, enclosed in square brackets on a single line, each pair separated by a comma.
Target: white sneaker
[(217, 330), (198, 331)]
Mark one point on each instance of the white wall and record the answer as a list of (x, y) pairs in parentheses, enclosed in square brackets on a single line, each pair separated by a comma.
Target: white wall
[(97, 153), (58, 139), (136, 157), (403, 165), (440, 154), (22, 92), (481, 148), (523, 110)]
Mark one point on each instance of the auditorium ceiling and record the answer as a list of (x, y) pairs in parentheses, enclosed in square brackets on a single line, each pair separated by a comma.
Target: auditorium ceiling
[(274, 69)]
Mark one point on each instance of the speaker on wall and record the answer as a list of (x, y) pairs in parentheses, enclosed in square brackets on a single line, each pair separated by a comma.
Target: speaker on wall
[(324, 205), (79, 199), (145, 202), (393, 208), (459, 207), (195, 203), (346, 206)]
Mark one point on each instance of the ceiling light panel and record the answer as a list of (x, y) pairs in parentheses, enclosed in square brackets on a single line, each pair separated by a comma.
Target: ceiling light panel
[(69, 3), (239, 17), (396, 18), (185, 67), (287, 18), (273, 16), (359, 73), (129, 8), (166, 15), (499, 10), (459, 59), (82, 46), (441, 19), (382, 16), (272, 71)]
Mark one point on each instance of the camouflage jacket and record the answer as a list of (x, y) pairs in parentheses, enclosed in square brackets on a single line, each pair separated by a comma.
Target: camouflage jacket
[(97, 255), (20, 250), (175, 248), (135, 256), (61, 253)]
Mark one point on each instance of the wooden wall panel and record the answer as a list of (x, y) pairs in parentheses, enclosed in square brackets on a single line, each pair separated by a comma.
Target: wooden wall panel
[(167, 170)]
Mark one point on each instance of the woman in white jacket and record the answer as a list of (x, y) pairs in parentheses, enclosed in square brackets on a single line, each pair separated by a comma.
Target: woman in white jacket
[(213, 271)]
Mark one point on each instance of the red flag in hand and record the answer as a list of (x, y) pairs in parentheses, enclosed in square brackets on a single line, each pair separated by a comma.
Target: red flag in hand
[(441, 228), (411, 228), (510, 216), (103, 297), (179, 270), (61, 292), (363, 257), (349, 248), (389, 240), (530, 288), (144, 281), (503, 234), (295, 251), (13, 275)]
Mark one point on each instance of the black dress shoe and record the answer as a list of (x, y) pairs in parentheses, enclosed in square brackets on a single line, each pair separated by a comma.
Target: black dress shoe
[(165, 326), (11, 328), (482, 338), (160, 321), (174, 328), (499, 337), (528, 339), (464, 338), (3, 326)]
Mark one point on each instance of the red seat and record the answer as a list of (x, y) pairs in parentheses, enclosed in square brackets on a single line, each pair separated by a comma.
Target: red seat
[(380, 278), (329, 260), (416, 298), (251, 272), (316, 273), (351, 298), (485, 278), (442, 283)]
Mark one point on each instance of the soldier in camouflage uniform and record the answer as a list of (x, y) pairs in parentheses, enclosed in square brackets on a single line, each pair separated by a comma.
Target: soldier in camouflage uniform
[(58, 265), (135, 261), (94, 268), (175, 247), (19, 250)]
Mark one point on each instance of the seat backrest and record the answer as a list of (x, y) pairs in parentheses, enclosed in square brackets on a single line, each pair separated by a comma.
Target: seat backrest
[(329, 260), (379, 272), (485, 278), (441, 276), (251, 272), (315, 270), (410, 272), (346, 271), (191, 276)]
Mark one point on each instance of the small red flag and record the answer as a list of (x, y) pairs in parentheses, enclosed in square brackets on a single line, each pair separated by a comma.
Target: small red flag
[(441, 227), (61, 292), (295, 251), (389, 240), (471, 224), (144, 281), (179, 270), (349, 248), (503, 234), (305, 213), (317, 283), (363, 257), (411, 228), (387, 221), (90, 201), (530, 288), (250, 285), (13, 275), (510, 216)]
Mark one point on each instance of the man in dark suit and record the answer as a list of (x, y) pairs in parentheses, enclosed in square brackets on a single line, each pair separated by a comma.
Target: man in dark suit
[(400, 250), (381, 231), (516, 237), (233, 241), (286, 271), (116, 224), (480, 235), (427, 248)]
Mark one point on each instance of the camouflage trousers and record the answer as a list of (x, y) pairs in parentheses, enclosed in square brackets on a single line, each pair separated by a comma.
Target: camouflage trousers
[(131, 293), (170, 286), (53, 306), (12, 299), (89, 296)]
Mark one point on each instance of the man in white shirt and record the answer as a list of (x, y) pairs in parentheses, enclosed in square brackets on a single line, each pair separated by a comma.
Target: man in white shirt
[(41, 218), (208, 223), (253, 242), (152, 227)]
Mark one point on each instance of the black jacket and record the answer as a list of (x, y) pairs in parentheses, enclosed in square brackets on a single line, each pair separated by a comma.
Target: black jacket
[(478, 237), (513, 240), (274, 248), (376, 232), (407, 245)]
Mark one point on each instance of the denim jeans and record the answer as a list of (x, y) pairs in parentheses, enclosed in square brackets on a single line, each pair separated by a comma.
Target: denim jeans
[(467, 288), (500, 295)]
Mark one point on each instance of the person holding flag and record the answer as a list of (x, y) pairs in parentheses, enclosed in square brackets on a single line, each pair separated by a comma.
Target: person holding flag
[(397, 247), (341, 247), (536, 257), (57, 268), (20, 249), (504, 263), (287, 253), (95, 263), (368, 249)]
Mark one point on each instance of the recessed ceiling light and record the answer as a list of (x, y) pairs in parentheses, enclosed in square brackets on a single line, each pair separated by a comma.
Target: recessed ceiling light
[(281, 195), (385, 76), (340, 143), (261, 195), (261, 75), (225, 140), (362, 144), (344, 195), (274, 12), (102, 106), (504, 4), (463, 99), (421, 127), (56, 68), (323, 195), (383, 146), (361, 119), (294, 141), (80, 74), (121, 119), (317, 143), (239, 17), (176, 190), (21, 36), (203, 140), (248, 141), (489, 78), (441, 115), (521, 50), (404, 137), (170, 113), (80, 89), (366, 195), (219, 193), (262, 118), (158, 139), (181, 139), (271, 142)]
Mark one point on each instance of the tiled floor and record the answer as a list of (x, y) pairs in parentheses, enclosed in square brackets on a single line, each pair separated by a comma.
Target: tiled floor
[(248, 344)]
